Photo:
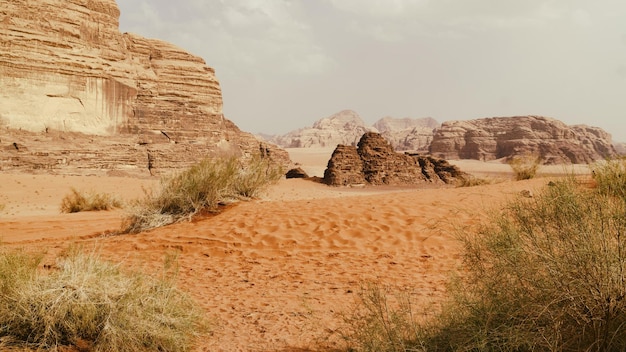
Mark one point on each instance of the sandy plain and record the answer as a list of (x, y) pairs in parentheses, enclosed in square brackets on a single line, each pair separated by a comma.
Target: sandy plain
[(277, 273)]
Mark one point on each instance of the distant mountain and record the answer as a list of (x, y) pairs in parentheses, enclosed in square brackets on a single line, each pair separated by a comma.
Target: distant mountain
[(346, 127), (502, 137), (407, 133)]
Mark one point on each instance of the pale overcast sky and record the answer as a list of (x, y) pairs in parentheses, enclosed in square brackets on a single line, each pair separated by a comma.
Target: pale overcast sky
[(284, 64)]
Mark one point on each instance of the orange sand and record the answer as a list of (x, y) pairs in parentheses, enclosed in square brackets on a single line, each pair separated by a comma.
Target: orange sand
[(274, 274)]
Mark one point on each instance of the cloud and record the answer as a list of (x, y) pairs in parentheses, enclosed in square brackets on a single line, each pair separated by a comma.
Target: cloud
[(252, 35)]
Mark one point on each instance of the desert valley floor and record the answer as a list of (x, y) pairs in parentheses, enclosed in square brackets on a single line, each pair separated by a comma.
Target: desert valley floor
[(278, 272)]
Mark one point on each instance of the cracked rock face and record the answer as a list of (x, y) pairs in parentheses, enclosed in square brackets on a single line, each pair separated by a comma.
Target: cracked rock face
[(66, 68), (504, 137)]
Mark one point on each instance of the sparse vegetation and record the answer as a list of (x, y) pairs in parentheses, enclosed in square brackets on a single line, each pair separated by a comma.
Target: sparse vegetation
[(201, 188), (78, 201), (610, 177), (471, 181), (545, 274), (92, 305), (525, 167), (381, 322)]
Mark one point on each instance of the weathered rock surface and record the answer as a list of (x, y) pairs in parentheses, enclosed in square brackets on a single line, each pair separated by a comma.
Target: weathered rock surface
[(503, 137), (407, 133), (344, 127), (375, 162), (64, 66)]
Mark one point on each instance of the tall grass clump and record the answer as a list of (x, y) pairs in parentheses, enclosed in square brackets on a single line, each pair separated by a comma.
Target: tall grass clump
[(92, 304), (525, 167), (547, 274), (382, 321), (610, 177), (77, 201), (201, 188)]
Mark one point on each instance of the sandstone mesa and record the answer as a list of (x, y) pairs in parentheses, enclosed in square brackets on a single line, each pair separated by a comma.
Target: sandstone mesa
[(76, 94)]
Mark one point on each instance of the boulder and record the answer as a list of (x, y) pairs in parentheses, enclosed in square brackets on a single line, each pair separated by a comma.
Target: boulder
[(297, 172)]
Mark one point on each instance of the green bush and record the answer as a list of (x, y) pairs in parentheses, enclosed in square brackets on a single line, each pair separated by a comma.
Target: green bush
[(525, 167), (79, 201), (92, 304), (201, 188)]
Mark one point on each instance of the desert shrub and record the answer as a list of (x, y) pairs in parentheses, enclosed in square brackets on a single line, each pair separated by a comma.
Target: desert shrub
[(525, 167), (77, 201), (201, 188), (93, 304), (547, 274), (610, 177), (471, 181), (255, 175), (383, 320)]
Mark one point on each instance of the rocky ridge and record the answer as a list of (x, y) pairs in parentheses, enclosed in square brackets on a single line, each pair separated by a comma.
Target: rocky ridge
[(68, 74), (504, 137), (375, 162), (407, 133), (346, 127)]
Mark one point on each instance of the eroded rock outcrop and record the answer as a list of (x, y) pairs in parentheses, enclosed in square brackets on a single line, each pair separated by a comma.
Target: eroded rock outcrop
[(375, 162), (66, 68), (503, 137)]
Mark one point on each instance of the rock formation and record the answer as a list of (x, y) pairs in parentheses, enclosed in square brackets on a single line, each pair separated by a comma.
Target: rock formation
[(344, 127), (297, 172), (375, 162), (503, 137), (66, 72), (407, 133)]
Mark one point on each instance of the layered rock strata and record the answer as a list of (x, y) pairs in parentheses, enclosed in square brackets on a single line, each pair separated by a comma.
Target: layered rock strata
[(375, 162), (505, 137), (65, 69)]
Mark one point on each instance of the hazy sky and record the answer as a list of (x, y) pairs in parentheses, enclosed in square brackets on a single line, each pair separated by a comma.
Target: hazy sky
[(284, 64)]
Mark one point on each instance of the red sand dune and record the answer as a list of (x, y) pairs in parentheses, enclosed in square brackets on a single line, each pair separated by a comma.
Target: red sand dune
[(274, 274)]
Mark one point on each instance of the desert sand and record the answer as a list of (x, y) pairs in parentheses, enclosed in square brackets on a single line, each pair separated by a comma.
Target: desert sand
[(277, 273)]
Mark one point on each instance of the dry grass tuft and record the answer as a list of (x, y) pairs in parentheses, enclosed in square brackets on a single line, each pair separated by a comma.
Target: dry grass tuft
[(78, 201), (525, 167), (546, 273), (92, 304), (201, 188)]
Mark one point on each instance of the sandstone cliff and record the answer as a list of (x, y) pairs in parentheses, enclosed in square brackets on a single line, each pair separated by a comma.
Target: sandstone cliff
[(65, 68), (500, 137), (344, 127), (375, 162)]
